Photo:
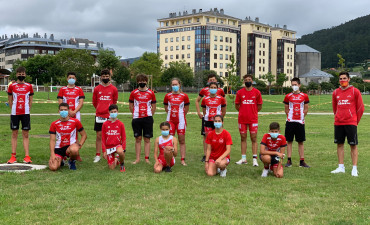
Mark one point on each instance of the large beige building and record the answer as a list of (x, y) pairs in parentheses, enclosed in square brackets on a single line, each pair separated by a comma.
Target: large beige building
[(204, 40)]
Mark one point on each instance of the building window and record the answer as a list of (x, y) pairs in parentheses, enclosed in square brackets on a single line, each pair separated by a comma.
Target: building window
[(222, 21), (259, 69), (171, 56), (260, 45), (231, 41), (189, 20), (177, 47), (259, 61), (183, 47), (230, 49), (221, 65), (166, 23), (259, 52), (215, 48), (259, 76), (166, 48), (166, 40), (263, 61), (188, 46), (207, 20), (263, 69), (177, 56), (258, 28), (226, 57), (171, 39), (165, 57), (188, 55), (263, 53), (23, 51), (215, 56), (287, 64), (221, 38), (263, 45), (177, 22), (183, 22), (166, 65), (215, 38), (226, 48), (177, 39), (183, 56), (183, 38), (171, 48), (188, 64), (31, 51), (221, 57), (221, 74), (198, 20), (51, 52), (188, 38), (37, 51), (226, 74), (214, 65), (43, 51), (221, 47)]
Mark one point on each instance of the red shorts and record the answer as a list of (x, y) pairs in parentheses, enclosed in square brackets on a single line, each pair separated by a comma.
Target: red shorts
[(179, 127), (110, 157), (162, 161), (211, 160), (253, 128)]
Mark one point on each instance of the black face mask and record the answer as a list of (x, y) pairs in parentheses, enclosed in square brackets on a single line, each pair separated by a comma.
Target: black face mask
[(106, 80), (248, 84), (142, 85), (21, 78)]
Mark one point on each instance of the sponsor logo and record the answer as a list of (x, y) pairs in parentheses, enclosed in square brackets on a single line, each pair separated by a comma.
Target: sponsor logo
[(65, 127), (344, 102), (221, 141), (248, 102), (112, 132), (104, 98)]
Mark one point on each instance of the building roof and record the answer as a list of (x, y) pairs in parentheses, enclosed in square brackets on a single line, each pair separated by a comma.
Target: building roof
[(305, 48), (214, 12), (316, 73)]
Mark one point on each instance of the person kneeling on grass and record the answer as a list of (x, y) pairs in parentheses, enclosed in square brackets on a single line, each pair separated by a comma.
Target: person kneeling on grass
[(272, 151), (218, 149), (114, 140), (63, 139), (167, 145)]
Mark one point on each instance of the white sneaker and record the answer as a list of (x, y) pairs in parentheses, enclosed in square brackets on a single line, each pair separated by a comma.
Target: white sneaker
[(255, 163), (354, 173), (339, 170), (218, 170), (96, 159), (223, 173), (242, 161), (264, 173)]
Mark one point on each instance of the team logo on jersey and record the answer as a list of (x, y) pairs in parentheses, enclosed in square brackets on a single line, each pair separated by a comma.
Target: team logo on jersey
[(349, 96), (243, 96), (65, 127), (104, 98), (20, 100), (99, 92), (112, 132), (248, 102), (221, 140), (344, 102), (253, 96), (65, 140)]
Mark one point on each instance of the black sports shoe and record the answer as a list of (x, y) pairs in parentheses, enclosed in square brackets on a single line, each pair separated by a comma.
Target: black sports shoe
[(303, 164), (168, 169), (288, 163), (203, 159)]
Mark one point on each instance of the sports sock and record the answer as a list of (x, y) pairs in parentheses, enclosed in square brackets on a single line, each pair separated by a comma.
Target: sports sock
[(182, 159), (354, 167), (290, 159), (254, 156), (341, 165), (13, 154), (266, 167), (244, 157), (146, 157), (301, 160), (97, 154)]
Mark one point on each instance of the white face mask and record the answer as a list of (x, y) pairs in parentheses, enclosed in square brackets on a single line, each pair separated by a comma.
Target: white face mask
[(295, 88)]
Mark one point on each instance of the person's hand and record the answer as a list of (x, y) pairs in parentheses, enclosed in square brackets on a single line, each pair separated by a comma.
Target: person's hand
[(218, 161), (52, 158), (72, 113), (200, 115), (281, 155), (105, 155), (169, 149), (206, 167)]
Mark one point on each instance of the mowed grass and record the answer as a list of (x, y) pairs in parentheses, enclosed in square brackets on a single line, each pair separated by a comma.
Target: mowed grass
[(95, 195)]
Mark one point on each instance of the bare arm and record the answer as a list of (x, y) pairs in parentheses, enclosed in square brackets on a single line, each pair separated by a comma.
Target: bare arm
[(286, 109), (166, 108), (154, 107), (156, 149), (259, 107), (197, 106), (31, 100), (83, 137), (226, 153), (175, 146), (208, 153), (52, 145), (264, 151), (305, 109), (131, 107), (204, 111), (237, 107), (80, 104), (10, 101), (186, 109), (223, 111)]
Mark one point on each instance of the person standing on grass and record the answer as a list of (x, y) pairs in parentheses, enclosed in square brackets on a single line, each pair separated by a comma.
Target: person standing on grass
[(218, 149), (20, 96), (105, 94), (296, 108), (63, 139), (142, 104), (272, 151), (114, 140), (248, 102), (176, 104), (348, 109), (204, 93), (166, 144), (212, 105)]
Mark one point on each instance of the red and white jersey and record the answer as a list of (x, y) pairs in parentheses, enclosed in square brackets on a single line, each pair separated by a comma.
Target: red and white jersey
[(103, 97), (176, 106), (113, 134), (213, 106), (71, 96), (218, 143), (21, 97), (248, 101), (273, 145), (65, 131), (205, 92), (348, 106), (143, 101), (162, 143), (296, 104)]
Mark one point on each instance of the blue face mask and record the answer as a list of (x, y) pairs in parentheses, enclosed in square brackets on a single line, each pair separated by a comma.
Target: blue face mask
[(213, 91), (274, 135), (71, 81), (217, 125), (63, 114), (113, 115), (175, 88), (165, 132)]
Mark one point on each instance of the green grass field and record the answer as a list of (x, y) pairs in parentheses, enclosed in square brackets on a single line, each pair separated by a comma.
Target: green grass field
[(95, 195)]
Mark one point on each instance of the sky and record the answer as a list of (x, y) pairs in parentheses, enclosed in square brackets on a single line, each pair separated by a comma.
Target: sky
[(129, 27)]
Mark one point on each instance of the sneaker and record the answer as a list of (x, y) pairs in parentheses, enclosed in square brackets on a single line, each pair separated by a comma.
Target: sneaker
[(255, 163), (354, 173), (223, 173), (339, 170), (122, 168), (72, 164), (168, 169), (96, 159), (203, 159), (7, 104), (12, 160), (218, 171), (264, 173), (288, 163), (27, 160), (303, 164), (242, 161)]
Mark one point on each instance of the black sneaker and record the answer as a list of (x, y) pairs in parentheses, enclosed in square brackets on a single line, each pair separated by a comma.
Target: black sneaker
[(62, 163), (168, 169), (288, 163), (303, 164), (203, 159)]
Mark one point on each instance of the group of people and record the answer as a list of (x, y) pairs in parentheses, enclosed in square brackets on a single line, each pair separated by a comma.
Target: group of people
[(65, 143)]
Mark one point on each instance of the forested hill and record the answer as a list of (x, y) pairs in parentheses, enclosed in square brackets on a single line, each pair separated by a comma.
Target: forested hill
[(351, 40)]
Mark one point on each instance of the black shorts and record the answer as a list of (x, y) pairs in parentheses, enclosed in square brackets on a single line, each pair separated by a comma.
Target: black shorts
[(209, 124), (143, 127), (97, 126), (61, 151), (295, 129), (202, 130), (343, 131), (25, 119)]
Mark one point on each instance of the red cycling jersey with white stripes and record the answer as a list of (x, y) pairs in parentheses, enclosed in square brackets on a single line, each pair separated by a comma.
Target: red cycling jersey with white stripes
[(65, 131), (21, 93)]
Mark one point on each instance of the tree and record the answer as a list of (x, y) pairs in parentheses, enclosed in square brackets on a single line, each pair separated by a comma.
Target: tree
[(180, 70), (312, 86), (356, 80), (270, 78), (149, 63), (341, 61), (233, 80), (327, 86), (280, 79), (121, 74), (107, 59), (79, 61)]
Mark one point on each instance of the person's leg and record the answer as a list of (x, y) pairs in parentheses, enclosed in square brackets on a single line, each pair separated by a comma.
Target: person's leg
[(223, 164), (354, 154), (121, 154), (98, 143), (14, 141), (26, 142), (147, 126), (266, 159), (137, 148), (72, 151), (243, 147), (340, 153), (182, 148), (147, 149), (168, 155), (253, 137), (54, 163), (212, 169)]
